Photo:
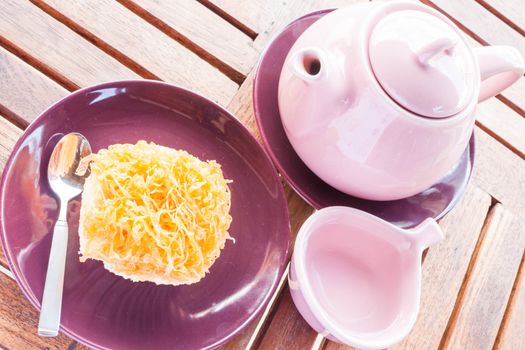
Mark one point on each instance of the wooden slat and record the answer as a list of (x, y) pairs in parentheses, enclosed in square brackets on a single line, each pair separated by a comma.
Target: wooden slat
[(79, 346), (512, 336), (504, 123), (260, 15), (482, 23), (513, 96), (512, 10), (143, 43), (9, 134), (499, 172), (287, 330), (18, 321), (444, 269), (24, 91), (490, 282), (207, 30), (256, 15), (241, 106), (56, 46)]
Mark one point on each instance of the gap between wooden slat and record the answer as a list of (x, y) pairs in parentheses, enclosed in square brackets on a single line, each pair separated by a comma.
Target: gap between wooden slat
[(72, 346), (509, 103), (456, 22), (501, 16), (229, 18), (510, 304), (468, 275), (229, 71), (42, 67), (95, 40), (13, 117), (500, 140)]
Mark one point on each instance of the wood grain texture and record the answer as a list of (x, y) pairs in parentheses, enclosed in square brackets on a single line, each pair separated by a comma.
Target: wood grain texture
[(18, 321), (148, 46), (256, 15), (287, 330), (513, 96), (262, 16), (24, 91), (512, 335), (57, 46), (294, 9), (207, 30), (503, 123), (9, 134), (444, 268), (482, 23), (477, 319), (508, 10), (499, 172)]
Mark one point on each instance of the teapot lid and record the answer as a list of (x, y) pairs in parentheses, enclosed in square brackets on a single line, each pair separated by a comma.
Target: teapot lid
[(422, 63)]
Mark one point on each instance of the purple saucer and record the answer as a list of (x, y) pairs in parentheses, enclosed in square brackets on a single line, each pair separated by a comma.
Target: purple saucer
[(433, 202), (103, 310)]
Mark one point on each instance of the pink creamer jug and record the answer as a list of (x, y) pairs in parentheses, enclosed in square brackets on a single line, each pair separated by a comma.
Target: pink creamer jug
[(356, 278), (379, 99)]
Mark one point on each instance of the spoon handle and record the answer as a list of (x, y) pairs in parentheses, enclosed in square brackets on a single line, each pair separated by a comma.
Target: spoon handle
[(52, 299)]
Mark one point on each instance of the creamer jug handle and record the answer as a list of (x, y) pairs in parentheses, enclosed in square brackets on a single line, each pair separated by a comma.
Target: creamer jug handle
[(426, 234), (500, 67)]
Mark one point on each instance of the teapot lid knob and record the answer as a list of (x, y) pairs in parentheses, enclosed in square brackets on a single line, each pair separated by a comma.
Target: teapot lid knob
[(423, 63)]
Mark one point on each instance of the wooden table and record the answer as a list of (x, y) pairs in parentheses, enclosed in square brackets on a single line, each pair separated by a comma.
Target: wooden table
[(473, 294)]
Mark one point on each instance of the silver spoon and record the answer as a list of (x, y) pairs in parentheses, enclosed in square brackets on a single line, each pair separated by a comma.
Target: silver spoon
[(66, 184)]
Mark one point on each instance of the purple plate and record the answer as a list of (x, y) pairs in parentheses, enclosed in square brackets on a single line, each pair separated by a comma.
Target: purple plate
[(433, 202), (103, 310)]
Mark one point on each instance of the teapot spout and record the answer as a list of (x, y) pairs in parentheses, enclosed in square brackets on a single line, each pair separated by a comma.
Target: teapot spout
[(308, 64), (426, 234)]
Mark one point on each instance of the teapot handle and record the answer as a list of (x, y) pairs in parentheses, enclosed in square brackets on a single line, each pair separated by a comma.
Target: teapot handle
[(500, 67)]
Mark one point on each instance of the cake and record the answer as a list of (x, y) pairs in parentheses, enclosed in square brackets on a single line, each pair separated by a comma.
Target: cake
[(153, 213)]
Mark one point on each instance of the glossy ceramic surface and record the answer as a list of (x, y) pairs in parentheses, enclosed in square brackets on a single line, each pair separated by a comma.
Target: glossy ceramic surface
[(103, 310), (356, 278), (434, 202), (379, 125)]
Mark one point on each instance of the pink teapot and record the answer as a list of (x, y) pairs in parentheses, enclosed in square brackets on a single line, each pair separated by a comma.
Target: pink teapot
[(379, 99)]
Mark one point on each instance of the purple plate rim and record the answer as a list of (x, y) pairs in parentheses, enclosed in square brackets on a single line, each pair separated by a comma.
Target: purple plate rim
[(266, 144), (42, 116)]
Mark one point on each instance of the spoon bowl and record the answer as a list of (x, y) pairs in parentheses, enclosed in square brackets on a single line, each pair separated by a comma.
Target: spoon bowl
[(66, 183), (62, 169)]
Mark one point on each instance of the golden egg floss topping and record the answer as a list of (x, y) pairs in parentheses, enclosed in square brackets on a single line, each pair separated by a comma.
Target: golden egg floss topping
[(153, 213)]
